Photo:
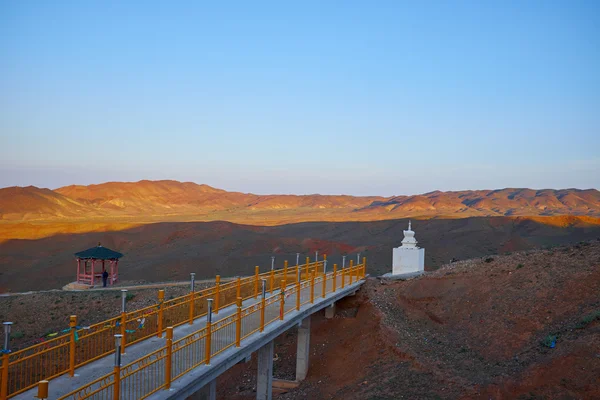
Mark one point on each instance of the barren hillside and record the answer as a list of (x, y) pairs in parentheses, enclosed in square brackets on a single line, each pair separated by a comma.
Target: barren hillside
[(153, 201), (170, 251), (523, 326)]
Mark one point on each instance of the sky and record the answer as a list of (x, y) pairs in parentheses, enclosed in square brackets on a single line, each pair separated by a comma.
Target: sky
[(363, 98)]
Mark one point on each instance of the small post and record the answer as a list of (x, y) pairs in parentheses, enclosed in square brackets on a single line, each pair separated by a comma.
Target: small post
[(272, 283), (207, 342), (343, 277), (285, 271), (161, 308), (364, 267), (358, 259), (325, 267), (324, 285), (350, 271), (312, 287), (307, 268), (262, 305), (297, 259), (298, 290), (117, 368), (123, 320), (192, 296), (42, 390), (238, 323), (169, 359), (343, 261), (282, 300), (334, 277), (123, 299), (272, 263), (5, 359), (217, 290), (256, 281), (72, 325), (316, 256)]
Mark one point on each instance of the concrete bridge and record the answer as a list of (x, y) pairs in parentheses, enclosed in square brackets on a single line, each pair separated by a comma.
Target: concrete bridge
[(187, 362)]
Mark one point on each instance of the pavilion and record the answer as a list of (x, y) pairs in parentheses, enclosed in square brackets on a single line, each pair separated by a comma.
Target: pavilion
[(86, 264)]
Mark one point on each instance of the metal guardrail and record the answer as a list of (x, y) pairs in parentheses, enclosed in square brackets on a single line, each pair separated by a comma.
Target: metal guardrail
[(23, 369), (158, 369)]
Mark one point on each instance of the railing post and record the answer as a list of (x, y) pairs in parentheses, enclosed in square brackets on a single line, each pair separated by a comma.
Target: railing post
[(256, 281), (285, 271), (238, 290), (192, 296), (282, 300), (5, 360), (364, 267), (123, 320), (324, 284), (350, 271), (73, 326), (207, 342), (263, 305), (42, 390), (169, 359), (217, 291), (272, 283), (117, 368), (161, 308), (238, 323), (312, 287), (334, 277), (343, 261), (324, 264), (298, 290), (307, 268)]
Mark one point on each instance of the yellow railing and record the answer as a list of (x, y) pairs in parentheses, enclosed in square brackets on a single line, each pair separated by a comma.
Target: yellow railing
[(157, 370), (23, 369)]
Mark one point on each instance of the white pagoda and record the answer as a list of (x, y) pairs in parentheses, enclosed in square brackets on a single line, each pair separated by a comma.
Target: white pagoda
[(408, 259)]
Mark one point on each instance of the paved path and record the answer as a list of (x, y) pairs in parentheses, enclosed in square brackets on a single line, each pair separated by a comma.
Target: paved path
[(90, 372)]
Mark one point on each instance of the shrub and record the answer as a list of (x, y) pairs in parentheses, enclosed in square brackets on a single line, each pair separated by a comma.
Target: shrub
[(588, 319), (520, 266), (489, 260), (129, 296), (17, 335), (549, 341)]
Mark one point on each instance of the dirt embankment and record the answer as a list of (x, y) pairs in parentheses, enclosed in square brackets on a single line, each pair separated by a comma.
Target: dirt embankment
[(522, 326)]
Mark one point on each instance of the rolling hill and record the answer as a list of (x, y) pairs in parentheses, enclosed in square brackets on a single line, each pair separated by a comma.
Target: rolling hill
[(176, 201)]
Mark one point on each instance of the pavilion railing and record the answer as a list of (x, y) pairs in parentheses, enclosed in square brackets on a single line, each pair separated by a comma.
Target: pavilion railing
[(157, 370), (22, 369)]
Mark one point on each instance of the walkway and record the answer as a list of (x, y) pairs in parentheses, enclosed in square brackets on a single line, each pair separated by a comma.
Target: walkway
[(183, 365)]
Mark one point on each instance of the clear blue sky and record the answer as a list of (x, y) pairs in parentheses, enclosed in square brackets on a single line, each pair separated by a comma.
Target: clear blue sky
[(367, 97)]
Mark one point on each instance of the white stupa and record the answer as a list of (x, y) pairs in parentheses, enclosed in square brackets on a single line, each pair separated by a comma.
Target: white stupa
[(408, 259)]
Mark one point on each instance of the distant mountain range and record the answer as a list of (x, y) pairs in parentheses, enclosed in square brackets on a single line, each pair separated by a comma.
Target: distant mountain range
[(173, 200)]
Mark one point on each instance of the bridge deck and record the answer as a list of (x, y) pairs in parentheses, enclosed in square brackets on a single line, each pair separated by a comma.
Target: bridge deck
[(145, 374)]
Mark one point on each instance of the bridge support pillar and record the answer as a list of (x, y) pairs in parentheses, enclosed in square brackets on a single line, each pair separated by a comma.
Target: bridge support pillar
[(208, 392), (303, 350), (264, 384), (330, 311)]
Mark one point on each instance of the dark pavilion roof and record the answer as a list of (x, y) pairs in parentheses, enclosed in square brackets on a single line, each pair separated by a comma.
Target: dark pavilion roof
[(99, 253)]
